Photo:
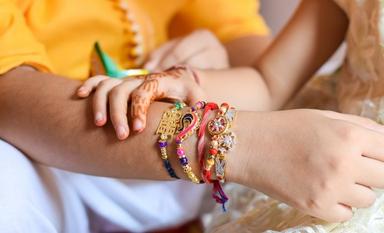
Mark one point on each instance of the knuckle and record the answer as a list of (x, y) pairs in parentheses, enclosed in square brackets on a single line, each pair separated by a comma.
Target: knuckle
[(335, 166), (104, 83), (348, 133), (98, 77), (139, 93), (208, 36), (115, 92), (313, 203), (205, 33)]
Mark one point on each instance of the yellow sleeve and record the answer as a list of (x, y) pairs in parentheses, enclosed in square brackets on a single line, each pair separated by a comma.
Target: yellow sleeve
[(17, 43), (228, 19)]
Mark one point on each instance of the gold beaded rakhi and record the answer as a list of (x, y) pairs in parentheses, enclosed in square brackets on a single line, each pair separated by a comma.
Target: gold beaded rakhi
[(189, 124), (166, 130)]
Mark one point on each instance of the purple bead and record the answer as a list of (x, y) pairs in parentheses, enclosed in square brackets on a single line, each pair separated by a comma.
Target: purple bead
[(180, 152), (178, 141), (163, 144), (193, 109), (183, 161)]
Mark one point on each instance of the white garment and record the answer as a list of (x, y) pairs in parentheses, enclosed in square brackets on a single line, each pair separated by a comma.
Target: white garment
[(39, 199)]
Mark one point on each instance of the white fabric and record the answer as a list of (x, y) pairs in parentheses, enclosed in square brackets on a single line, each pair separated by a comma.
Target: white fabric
[(37, 199)]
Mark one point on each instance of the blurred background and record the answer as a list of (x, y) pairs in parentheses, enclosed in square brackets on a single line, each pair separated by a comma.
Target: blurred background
[(277, 12)]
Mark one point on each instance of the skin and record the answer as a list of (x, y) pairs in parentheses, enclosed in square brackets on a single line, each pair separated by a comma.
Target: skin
[(246, 51), (283, 69), (188, 50), (328, 166), (176, 83), (312, 158)]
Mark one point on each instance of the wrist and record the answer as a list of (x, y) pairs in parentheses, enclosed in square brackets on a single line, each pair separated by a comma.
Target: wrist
[(239, 160)]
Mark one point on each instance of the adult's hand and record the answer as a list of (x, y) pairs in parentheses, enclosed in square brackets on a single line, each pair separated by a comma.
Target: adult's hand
[(200, 49), (320, 162)]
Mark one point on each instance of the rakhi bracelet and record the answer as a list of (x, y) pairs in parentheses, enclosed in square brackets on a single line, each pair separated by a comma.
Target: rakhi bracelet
[(222, 139), (188, 125), (166, 130), (204, 166), (218, 129)]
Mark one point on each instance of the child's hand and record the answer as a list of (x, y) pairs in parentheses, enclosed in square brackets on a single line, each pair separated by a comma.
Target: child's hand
[(178, 83)]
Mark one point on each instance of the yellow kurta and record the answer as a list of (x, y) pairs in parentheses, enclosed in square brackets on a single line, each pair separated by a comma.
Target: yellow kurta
[(58, 35)]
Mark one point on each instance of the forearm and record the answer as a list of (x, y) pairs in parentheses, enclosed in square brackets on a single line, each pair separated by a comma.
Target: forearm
[(303, 46), (243, 87), (313, 34), (40, 115), (245, 51)]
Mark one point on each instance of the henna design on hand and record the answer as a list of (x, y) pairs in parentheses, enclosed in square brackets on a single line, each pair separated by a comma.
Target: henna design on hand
[(149, 91)]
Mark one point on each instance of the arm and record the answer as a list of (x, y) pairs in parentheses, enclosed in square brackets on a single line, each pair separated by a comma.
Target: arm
[(312, 35), (245, 51), (302, 47), (40, 115), (54, 128)]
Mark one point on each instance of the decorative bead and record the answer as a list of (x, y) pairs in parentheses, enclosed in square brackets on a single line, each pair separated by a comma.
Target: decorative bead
[(166, 129), (214, 143), (218, 125), (162, 144), (179, 105), (210, 162), (189, 123), (180, 152), (187, 169), (183, 161), (213, 151), (137, 50), (169, 169)]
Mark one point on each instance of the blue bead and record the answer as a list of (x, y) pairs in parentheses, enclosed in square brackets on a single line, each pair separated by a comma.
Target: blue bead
[(183, 161), (168, 167), (163, 144)]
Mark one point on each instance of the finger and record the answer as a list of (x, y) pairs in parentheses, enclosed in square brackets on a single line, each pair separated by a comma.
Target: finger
[(88, 86), (159, 54), (336, 213), (142, 97), (187, 48), (359, 196), (100, 100), (370, 172), (212, 58), (361, 121), (118, 104), (372, 144), (194, 95)]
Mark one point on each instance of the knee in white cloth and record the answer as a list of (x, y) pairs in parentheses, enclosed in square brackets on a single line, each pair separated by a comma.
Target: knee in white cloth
[(31, 196)]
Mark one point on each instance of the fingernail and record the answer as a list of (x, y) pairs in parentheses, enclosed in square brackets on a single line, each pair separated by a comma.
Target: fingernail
[(81, 90), (137, 125), (99, 118), (121, 132)]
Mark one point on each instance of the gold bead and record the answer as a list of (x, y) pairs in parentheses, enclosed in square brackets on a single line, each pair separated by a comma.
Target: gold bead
[(214, 144), (210, 162)]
